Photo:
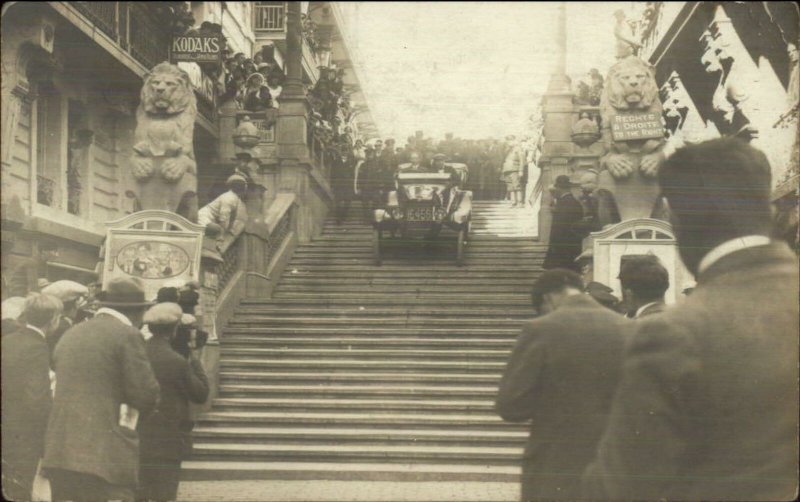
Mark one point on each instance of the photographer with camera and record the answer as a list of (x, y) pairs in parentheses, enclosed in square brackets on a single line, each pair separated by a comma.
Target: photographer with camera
[(166, 434)]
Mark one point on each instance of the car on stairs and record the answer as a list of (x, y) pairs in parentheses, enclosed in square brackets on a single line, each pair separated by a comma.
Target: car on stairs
[(425, 206)]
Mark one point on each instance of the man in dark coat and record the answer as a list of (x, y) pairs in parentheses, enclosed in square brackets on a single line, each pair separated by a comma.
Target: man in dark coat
[(103, 381), (707, 408), (165, 435), (565, 233), (644, 282), (26, 394), (562, 375)]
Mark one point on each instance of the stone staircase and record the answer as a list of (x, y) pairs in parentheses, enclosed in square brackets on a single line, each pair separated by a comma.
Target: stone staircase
[(353, 371)]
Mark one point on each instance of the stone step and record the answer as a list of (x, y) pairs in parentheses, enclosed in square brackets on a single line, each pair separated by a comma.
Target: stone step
[(372, 419), (507, 244), (250, 474), (435, 298), (359, 453), (376, 331), (400, 301), (366, 250), (345, 391), (365, 366), (306, 404), (319, 377), (394, 321), (407, 312), (348, 435), (231, 341), (404, 288), (407, 268), (377, 274), (368, 354)]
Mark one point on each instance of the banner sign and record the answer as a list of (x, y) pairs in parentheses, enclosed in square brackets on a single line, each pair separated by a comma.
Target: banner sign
[(637, 126), (158, 247), (196, 49)]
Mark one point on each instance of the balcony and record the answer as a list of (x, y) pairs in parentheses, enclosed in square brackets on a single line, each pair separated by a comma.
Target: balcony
[(133, 26), (269, 17)]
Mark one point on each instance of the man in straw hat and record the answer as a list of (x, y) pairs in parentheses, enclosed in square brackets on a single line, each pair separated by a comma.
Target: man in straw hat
[(165, 435), (26, 396), (91, 451)]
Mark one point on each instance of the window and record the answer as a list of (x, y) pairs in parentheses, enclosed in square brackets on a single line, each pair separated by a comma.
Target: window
[(48, 145)]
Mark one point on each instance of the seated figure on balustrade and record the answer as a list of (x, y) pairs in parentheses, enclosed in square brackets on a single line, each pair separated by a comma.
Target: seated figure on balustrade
[(228, 210)]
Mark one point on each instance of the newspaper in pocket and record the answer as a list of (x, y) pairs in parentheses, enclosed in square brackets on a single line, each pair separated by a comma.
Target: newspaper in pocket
[(128, 416)]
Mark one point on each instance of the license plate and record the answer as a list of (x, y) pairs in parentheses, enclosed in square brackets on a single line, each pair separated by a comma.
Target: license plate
[(420, 214)]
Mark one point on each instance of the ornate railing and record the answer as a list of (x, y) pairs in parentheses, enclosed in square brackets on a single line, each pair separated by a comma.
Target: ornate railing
[(269, 16), (278, 235), (133, 26), (230, 262)]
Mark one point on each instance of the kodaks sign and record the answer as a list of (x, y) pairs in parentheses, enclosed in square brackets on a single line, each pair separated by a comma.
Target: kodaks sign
[(637, 126), (196, 49)]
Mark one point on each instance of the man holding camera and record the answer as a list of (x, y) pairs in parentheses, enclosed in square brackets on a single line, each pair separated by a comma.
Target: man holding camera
[(165, 435)]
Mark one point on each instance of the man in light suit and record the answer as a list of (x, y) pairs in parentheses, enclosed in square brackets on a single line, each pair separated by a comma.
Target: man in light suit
[(707, 408), (562, 375), (91, 446), (26, 393)]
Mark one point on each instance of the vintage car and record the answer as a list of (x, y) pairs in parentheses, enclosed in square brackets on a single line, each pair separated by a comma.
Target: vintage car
[(425, 205)]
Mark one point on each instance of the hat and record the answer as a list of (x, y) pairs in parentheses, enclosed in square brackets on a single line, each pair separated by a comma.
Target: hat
[(243, 155), (42, 283), (263, 65), (188, 319), (256, 75), (235, 178), (167, 295), (586, 255), (123, 292), (163, 313), (440, 156), (562, 181), (66, 291), (12, 307)]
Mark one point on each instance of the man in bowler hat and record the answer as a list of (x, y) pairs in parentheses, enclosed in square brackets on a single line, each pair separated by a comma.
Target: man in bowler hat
[(104, 380), (565, 232)]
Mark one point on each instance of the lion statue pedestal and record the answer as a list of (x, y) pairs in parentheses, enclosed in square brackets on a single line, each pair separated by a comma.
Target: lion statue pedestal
[(633, 138), (163, 162)]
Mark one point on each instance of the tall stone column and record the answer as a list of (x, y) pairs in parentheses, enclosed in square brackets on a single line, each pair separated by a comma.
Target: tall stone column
[(294, 156), (558, 110)]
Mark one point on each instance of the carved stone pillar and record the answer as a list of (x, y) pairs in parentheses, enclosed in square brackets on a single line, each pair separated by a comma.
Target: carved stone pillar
[(557, 130)]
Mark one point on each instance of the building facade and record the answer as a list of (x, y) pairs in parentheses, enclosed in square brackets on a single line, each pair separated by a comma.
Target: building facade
[(71, 78)]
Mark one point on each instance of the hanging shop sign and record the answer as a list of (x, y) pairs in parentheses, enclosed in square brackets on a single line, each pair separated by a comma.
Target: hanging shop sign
[(637, 126), (196, 49)]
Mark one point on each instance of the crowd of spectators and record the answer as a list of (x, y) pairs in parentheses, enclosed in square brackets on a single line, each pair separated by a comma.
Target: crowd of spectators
[(367, 168), (693, 401), (96, 386)]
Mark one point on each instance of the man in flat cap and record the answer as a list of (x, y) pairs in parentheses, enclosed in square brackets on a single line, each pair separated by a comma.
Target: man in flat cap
[(72, 294), (103, 375), (228, 210), (565, 232), (165, 435)]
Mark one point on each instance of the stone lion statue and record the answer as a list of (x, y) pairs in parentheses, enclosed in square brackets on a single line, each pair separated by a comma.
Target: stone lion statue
[(629, 167), (163, 160)]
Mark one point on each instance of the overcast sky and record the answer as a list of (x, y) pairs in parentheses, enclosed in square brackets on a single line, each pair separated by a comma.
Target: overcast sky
[(476, 69)]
